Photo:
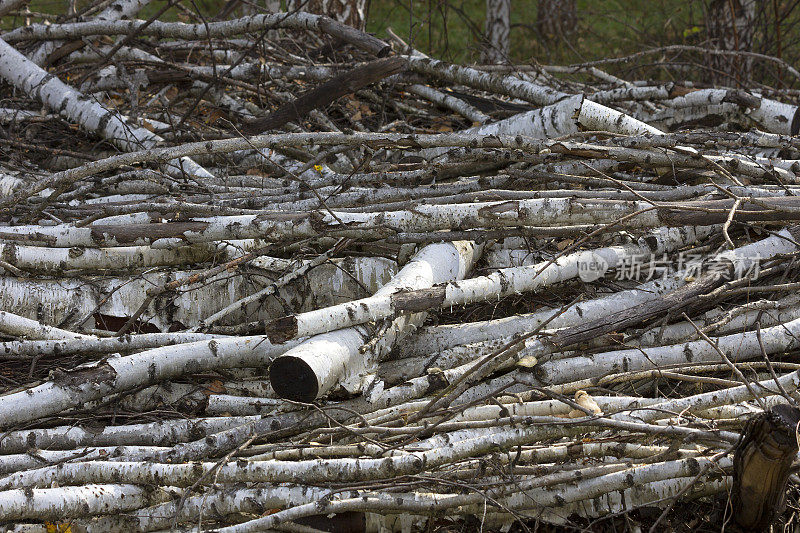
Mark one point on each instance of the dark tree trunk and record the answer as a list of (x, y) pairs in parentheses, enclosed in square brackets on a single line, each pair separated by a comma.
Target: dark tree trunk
[(498, 26), (730, 26), (555, 18)]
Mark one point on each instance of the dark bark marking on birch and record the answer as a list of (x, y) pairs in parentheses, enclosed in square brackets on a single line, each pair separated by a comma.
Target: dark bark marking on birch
[(747, 212), (407, 302), (678, 299), (282, 329), (101, 374), (145, 232), (795, 128)]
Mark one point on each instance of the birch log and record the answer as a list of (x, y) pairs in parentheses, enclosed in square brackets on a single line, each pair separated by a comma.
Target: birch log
[(318, 364), (120, 374), (639, 214), (589, 266), (57, 503), (179, 30), (25, 75)]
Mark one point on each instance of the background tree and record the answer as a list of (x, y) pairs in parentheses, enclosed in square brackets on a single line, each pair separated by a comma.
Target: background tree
[(556, 17), (730, 25), (498, 26)]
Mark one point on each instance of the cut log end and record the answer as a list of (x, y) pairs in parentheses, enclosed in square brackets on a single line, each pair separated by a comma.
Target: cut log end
[(293, 379), (761, 467)]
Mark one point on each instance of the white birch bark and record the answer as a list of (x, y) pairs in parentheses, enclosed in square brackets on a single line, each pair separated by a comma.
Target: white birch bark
[(738, 347), (439, 338), (589, 265), (770, 115), (224, 501), (647, 158), (449, 102), (436, 338), (729, 396), (432, 263), (730, 26), (85, 344), (120, 374), (764, 312), (350, 12), (776, 117), (57, 260), (119, 9), (36, 458), (494, 83), (272, 288), (31, 79), (652, 483), (53, 301), (310, 471), (532, 212), (179, 30), (161, 433), (318, 364), (58, 503), (19, 326)]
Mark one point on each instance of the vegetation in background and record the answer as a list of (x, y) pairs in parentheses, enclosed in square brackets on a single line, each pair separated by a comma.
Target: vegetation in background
[(452, 30)]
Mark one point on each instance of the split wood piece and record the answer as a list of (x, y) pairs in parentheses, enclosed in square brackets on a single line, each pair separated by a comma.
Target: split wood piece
[(330, 91), (761, 467)]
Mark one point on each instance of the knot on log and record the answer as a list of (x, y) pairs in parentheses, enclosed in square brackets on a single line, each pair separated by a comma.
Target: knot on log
[(761, 467)]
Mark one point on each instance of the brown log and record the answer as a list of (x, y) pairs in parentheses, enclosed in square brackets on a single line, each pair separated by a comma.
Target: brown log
[(326, 93), (761, 465)]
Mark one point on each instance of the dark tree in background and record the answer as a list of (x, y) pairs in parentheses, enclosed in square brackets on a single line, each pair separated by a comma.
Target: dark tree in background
[(555, 18), (498, 26), (731, 26)]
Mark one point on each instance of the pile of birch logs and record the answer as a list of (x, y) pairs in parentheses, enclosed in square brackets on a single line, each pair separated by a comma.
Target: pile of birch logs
[(273, 273)]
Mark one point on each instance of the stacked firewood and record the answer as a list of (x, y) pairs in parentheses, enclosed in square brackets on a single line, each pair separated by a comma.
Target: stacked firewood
[(274, 273)]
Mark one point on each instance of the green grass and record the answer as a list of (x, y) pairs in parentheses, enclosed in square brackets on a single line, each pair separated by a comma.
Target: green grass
[(451, 29)]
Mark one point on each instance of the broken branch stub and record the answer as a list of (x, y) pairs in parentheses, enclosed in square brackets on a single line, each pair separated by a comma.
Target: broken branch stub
[(761, 467)]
